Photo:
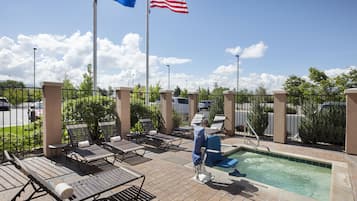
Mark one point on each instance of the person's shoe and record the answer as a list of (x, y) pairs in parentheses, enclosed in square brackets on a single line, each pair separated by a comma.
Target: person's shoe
[(236, 173)]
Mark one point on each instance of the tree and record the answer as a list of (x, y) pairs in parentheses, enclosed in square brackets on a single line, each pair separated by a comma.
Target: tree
[(154, 92), (203, 94), (86, 85), (317, 76), (177, 91), (69, 91), (261, 91), (184, 93)]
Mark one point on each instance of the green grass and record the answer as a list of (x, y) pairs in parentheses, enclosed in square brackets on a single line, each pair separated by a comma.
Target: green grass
[(21, 138)]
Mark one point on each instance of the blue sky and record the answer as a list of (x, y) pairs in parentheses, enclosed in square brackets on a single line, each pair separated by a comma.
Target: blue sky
[(296, 35)]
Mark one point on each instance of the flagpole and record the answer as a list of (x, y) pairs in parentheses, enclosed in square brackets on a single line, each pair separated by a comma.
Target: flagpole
[(94, 46), (147, 52)]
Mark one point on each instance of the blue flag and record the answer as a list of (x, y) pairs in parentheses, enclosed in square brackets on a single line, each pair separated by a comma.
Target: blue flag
[(128, 3)]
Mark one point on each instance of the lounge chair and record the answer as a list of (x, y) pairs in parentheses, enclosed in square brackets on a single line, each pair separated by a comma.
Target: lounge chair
[(116, 143), (89, 187), (82, 148), (217, 125), (152, 134), (196, 121)]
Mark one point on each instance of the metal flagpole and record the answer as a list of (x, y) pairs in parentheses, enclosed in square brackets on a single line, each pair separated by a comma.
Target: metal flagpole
[(94, 46), (147, 52)]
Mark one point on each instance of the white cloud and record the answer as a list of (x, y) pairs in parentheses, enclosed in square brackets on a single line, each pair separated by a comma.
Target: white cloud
[(254, 51), (58, 55), (173, 61), (234, 50), (338, 71), (224, 70)]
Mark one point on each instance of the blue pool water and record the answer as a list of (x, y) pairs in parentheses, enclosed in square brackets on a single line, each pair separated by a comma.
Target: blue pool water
[(290, 174)]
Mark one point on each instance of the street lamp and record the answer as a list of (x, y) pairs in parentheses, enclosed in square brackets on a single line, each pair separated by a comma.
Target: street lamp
[(237, 72), (34, 67), (168, 77)]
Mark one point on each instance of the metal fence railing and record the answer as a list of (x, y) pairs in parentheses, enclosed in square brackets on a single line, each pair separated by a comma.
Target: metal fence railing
[(139, 108), (258, 110), (87, 106), (316, 118), (20, 120)]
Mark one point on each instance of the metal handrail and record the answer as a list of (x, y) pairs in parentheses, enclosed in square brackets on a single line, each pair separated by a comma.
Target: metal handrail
[(256, 135)]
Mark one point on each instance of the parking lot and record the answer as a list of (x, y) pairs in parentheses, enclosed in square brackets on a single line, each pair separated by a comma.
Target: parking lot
[(16, 116)]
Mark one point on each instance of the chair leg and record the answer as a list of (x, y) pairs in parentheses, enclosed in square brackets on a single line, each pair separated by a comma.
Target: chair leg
[(18, 194), (141, 186)]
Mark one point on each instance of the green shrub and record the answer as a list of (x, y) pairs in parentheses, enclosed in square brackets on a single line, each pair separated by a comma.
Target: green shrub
[(217, 107), (268, 109), (139, 111), (258, 118), (90, 110), (176, 119), (323, 126)]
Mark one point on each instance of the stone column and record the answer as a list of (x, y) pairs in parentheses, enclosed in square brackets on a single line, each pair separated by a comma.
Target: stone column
[(123, 109), (351, 119), (229, 112), (193, 105), (52, 123), (166, 110), (280, 99)]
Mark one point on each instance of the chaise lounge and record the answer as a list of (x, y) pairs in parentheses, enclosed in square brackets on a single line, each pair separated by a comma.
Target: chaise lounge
[(83, 149), (163, 140), (116, 143), (90, 187)]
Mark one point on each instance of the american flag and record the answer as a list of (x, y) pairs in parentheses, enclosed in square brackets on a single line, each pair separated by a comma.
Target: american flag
[(178, 6)]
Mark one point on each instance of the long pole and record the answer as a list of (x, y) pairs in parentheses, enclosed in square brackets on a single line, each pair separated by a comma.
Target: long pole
[(147, 52), (237, 72), (34, 69), (94, 46), (168, 77)]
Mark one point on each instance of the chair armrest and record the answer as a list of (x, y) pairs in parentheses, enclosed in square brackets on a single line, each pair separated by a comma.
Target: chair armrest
[(212, 151)]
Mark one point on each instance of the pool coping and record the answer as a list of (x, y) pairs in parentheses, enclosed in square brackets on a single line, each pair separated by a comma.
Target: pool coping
[(340, 187)]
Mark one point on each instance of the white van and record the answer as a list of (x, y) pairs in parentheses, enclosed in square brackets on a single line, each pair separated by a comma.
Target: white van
[(180, 105)]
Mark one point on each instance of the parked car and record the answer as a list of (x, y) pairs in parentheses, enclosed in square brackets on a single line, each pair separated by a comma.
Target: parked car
[(4, 104), (180, 105), (336, 106), (204, 104), (35, 111)]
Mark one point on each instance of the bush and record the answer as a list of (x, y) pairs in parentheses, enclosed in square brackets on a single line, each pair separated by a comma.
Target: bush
[(176, 119), (139, 111), (90, 110), (323, 126), (290, 110), (258, 118), (216, 107), (268, 109)]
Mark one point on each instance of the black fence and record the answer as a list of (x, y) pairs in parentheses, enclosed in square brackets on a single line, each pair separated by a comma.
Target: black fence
[(317, 118), (20, 120), (89, 107), (258, 110), (139, 109)]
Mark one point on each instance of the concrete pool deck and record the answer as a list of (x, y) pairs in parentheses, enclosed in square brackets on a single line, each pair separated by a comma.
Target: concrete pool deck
[(169, 176)]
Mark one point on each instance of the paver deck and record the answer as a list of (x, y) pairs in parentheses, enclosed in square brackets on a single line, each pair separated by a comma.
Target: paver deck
[(169, 175)]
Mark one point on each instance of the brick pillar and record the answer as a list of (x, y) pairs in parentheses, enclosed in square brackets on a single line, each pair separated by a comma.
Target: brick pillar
[(166, 110), (52, 123), (193, 105), (351, 117), (123, 109), (280, 100), (229, 112)]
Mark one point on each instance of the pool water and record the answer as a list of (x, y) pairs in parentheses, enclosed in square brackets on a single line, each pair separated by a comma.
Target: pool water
[(288, 174)]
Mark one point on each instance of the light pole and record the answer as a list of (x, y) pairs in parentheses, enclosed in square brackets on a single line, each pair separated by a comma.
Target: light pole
[(237, 72), (34, 68), (168, 77)]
